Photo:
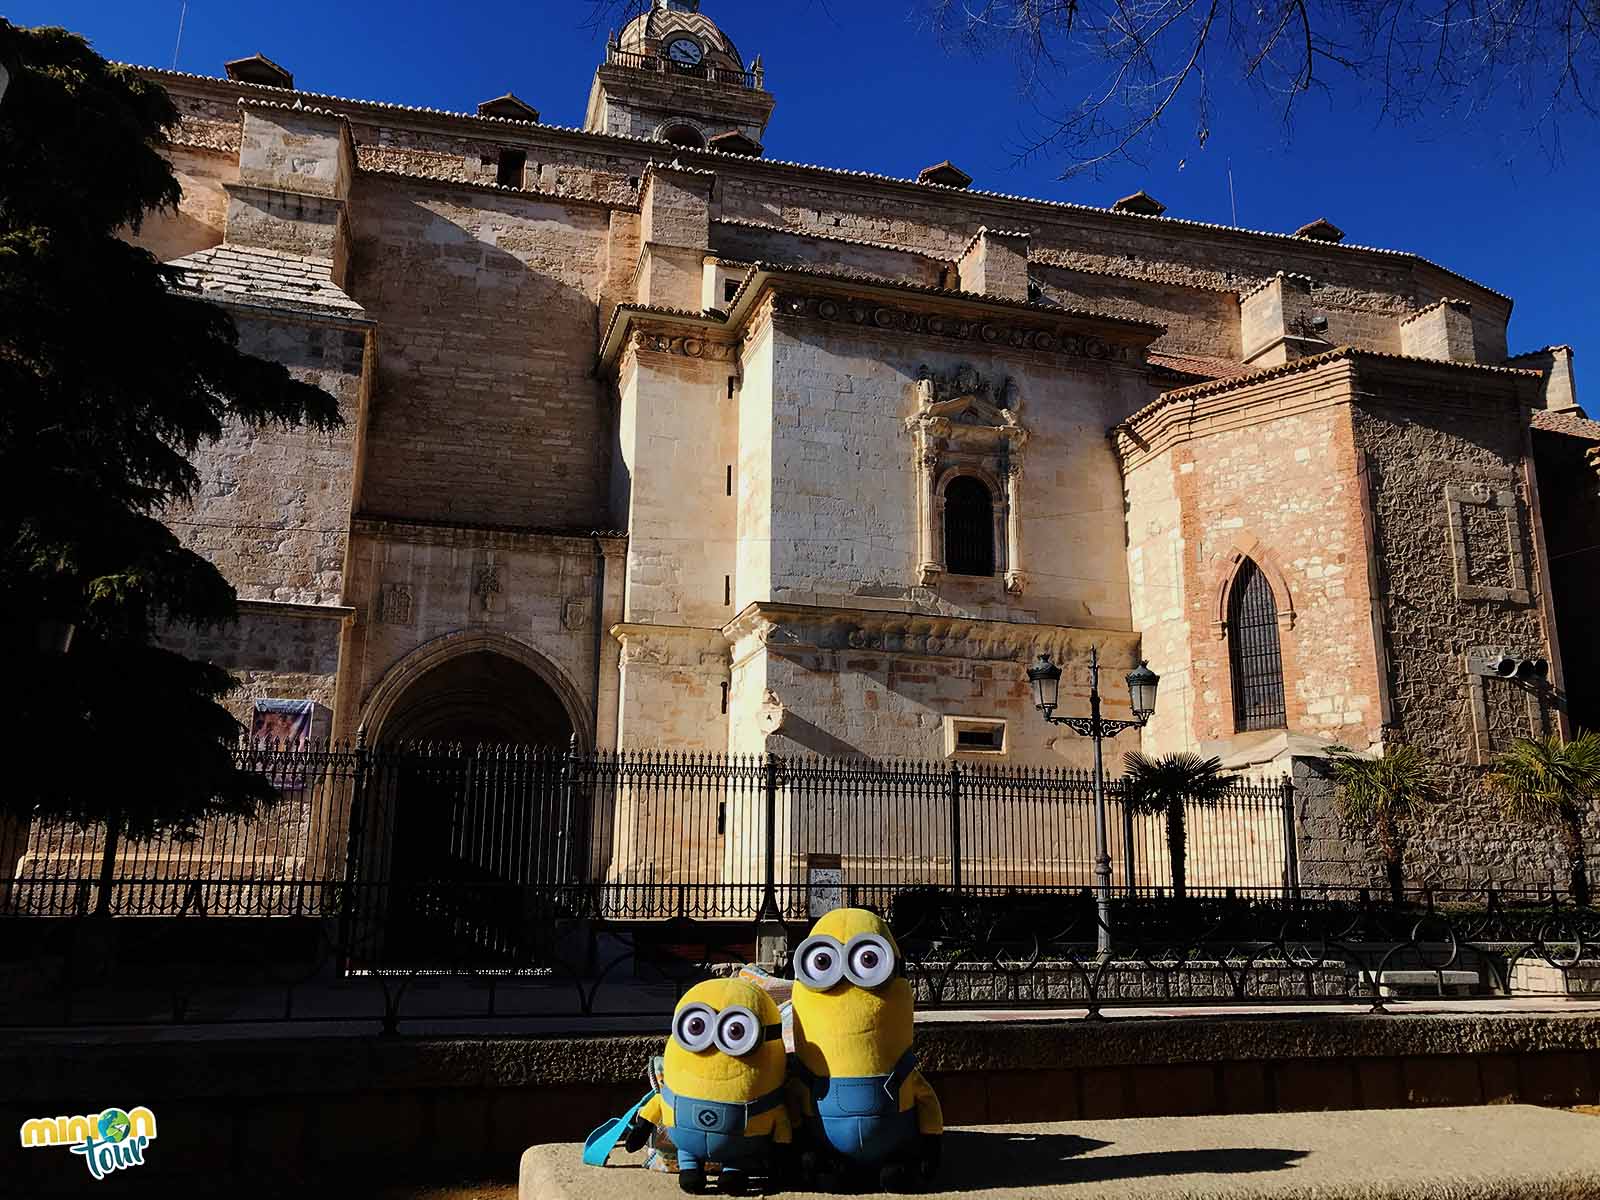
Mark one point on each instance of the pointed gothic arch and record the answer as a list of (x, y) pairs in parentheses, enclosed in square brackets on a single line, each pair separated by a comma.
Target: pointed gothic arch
[(1255, 654)]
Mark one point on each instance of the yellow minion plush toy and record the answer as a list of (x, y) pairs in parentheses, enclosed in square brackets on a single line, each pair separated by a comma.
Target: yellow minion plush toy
[(865, 1106), (722, 1077)]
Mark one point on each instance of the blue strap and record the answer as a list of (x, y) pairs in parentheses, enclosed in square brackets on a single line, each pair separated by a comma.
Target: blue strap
[(597, 1147), (901, 1073)]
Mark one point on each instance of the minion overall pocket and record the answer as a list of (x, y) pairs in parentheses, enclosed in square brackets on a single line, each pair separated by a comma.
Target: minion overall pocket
[(862, 1119), (705, 1131)]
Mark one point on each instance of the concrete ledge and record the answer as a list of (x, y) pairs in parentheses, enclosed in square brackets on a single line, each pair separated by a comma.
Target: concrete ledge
[(1504, 1153)]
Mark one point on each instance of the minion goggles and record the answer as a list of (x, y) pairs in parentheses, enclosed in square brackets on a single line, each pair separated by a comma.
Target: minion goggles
[(867, 960)]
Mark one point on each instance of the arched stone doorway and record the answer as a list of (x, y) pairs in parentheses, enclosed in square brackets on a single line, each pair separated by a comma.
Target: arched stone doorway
[(479, 698), (472, 820)]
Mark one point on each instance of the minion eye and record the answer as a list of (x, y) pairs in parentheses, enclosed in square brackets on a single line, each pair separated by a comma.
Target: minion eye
[(869, 961), (819, 962), (694, 1027), (738, 1031)]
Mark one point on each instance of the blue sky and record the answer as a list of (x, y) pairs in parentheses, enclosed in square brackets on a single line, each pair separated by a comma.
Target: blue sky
[(866, 86)]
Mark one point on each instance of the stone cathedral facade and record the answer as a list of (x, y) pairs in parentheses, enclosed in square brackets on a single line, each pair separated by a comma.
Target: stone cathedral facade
[(657, 440)]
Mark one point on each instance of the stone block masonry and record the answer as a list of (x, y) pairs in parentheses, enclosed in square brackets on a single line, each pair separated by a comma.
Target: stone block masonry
[(768, 378)]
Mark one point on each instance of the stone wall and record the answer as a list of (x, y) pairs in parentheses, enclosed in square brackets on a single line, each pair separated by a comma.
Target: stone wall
[(1433, 449), (277, 652), (485, 409), (273, 506), (845, 476)]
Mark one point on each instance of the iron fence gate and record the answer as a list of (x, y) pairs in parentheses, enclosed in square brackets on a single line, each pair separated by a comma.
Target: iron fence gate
[(422, 851)]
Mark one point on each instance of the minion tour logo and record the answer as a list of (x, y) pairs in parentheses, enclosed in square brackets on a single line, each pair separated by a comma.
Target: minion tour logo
[(108, 1141)]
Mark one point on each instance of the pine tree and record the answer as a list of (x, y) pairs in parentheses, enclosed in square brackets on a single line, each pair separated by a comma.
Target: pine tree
[(110, 379)]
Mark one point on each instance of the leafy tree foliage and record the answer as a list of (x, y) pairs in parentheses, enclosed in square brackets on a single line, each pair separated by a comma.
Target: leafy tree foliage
[(1166, 787), (110, 378), (1383, 796), (1550, 781)]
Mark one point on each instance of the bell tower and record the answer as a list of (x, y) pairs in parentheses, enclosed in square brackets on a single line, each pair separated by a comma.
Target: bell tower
[(672, 74)]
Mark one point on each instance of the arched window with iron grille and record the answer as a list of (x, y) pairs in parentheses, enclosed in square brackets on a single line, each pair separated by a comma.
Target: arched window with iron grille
[(1254, 653), (968, 527)]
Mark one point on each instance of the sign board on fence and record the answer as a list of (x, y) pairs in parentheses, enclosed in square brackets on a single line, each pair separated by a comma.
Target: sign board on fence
[(824, 884)]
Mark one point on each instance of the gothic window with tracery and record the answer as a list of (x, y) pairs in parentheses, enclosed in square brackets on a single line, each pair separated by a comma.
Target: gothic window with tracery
[(1254, 653), (968, 527)]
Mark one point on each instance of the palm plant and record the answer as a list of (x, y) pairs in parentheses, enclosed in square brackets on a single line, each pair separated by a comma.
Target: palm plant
[(1383, 795), (1551, 781), (1165, 787)]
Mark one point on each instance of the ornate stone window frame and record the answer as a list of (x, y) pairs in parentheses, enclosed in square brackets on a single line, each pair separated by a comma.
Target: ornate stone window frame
[(1492, 495), (965, 426)]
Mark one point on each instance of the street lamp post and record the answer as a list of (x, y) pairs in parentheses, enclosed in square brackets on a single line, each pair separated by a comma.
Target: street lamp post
[(1045, 677)]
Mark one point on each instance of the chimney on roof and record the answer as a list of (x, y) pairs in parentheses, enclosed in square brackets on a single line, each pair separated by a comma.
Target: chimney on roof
[(1321, 230), (508, 108), (945, 174), (258, 68), (1141, 202)]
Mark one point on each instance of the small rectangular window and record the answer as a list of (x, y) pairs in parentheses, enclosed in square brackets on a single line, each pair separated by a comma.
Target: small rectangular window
[(730, 479), (974, 735), (724, 696), (730, 289), (727, 589), (732, 381), (508, 172)]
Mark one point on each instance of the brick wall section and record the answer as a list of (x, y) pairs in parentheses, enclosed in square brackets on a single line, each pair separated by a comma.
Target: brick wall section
[(274, 505), (485, 407), (1273, 475)]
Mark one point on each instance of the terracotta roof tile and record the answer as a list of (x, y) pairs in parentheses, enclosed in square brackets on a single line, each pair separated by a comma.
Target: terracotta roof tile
[(1573, 423)]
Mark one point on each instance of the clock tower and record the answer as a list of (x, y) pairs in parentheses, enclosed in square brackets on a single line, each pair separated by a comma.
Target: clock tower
[(673, 74)]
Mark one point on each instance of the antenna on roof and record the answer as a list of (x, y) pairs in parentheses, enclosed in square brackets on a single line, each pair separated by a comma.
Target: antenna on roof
[(182, 13)]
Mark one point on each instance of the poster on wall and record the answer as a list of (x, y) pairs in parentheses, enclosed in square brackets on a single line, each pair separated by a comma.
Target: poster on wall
[(289, 724)]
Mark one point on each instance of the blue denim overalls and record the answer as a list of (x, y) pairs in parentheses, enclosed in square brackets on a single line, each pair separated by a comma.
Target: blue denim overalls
[(714, 1131), (861, 1117)]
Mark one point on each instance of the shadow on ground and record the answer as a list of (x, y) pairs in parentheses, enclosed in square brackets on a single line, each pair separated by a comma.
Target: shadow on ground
[(978, 1161)]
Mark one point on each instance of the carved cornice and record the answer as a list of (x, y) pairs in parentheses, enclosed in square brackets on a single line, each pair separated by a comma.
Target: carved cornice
[(662, 340), (789, 627), (673, 646), (995, 331)]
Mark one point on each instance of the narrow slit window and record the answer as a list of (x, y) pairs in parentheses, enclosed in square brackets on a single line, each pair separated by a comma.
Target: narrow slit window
[(730, 479), (1255, 656)]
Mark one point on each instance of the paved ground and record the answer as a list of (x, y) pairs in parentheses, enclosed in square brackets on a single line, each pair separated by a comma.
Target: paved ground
[(1491, 1153)]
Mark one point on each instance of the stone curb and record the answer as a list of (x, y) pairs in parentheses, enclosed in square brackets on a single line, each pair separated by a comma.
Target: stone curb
[(1505, 1153)]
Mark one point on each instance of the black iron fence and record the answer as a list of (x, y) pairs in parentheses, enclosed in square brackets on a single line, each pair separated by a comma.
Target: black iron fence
[(432, 840), (552, 883)]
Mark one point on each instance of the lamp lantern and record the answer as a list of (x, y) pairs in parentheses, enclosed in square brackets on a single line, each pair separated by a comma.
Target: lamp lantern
[(1142, 685), (1045, 677)]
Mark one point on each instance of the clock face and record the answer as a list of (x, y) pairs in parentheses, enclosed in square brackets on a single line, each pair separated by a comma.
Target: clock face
[(685, 51)]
